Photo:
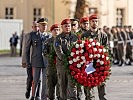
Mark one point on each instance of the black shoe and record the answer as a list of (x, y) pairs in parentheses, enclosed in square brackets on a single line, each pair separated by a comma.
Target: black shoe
[(27, 94), (37, 98), (32, 98)]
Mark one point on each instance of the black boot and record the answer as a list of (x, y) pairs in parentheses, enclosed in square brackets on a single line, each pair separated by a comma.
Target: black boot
[(32, 98), (27, 94)]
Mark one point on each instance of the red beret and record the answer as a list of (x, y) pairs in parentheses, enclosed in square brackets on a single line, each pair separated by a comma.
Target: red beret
[(66, 21), (94, 16), (54, 26), (84, 19)]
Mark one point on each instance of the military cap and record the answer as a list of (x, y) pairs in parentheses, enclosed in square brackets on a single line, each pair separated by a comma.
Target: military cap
[(84, 19), (54, 26), (94, 16), (42, 21), (66, 21)]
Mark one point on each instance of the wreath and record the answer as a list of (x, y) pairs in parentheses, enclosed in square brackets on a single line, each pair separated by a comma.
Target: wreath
[(89, 63)]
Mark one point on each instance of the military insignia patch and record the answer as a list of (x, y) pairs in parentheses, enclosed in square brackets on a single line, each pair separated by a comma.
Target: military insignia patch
[(56, 44)]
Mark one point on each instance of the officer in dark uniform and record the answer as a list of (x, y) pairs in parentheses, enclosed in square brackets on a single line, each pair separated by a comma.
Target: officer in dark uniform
[(38, 62), (62, 45), (28, 66), (51, 71), (94, 33)]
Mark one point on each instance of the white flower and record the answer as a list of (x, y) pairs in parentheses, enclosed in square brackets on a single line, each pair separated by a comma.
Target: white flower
[(81, 51), (70, 61), (83, 57), (104, 50), (101, 62), (84, 60), (103, 56), (81, 45), (100, 50), (93, 43), (74, 60), (72, 53), (95, 49), (98, 60), (82, 63), (98, 44), (78, 65), (77, 45), (91, 55), (77, 58), (98, 55), (90, 40), (83, 42), (95, 55), (89, 45), (107, 58), (77, 52)]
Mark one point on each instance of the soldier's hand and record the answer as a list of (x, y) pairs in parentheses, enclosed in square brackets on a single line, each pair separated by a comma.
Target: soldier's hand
[(24, 65)]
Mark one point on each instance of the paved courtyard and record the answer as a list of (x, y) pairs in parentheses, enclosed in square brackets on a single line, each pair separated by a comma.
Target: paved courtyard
[(13, 79)]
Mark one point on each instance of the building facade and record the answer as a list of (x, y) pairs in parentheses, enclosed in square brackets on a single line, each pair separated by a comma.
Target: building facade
[(111, 12), (27, 10)]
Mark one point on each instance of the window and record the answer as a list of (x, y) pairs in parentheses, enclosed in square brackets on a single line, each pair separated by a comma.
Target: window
[(9, 13), (36, 13), (93, 11), (119, 17)]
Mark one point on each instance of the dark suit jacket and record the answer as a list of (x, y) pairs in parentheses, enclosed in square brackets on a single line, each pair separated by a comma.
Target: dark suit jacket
[(33, 56)]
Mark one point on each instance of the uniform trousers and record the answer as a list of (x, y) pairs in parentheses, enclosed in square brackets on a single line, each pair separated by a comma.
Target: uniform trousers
[(52, 81), (37, 72), (67, 89), (29, 81), (90, 95)]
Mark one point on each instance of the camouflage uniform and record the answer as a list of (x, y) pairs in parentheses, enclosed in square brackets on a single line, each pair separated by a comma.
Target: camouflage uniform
[(61, 45), (51, 72), (102, 38)]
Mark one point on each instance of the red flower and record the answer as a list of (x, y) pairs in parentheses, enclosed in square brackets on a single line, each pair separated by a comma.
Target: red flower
[(73, 73), (79, 41), (79, 74), (73, 50)]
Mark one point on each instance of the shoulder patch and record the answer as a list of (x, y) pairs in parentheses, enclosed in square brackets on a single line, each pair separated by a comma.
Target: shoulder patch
[(56, 44)]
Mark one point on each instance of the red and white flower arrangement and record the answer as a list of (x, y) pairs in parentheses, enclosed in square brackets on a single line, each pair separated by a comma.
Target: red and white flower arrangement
[(86, 52)]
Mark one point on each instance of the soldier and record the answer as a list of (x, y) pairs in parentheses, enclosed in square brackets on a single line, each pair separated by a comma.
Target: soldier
[(51, 72), (131, 42), (94, 33), (110, 39), (128, 47), (75, 25), (38, 63), (115, 48), (84, 24), (29, 68), (62, 45), (121, 45)]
